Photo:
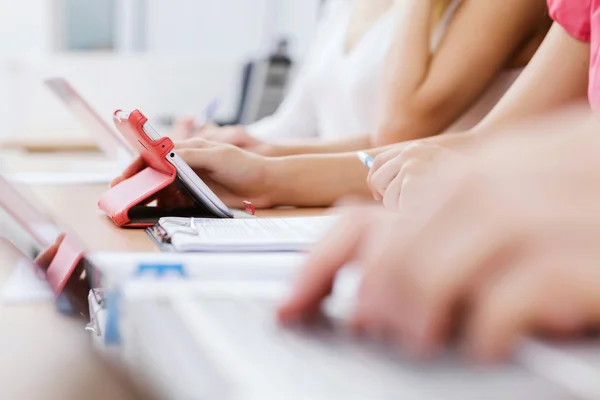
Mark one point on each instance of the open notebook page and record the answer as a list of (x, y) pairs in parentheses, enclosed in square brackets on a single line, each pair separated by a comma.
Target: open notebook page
[(259, 234)]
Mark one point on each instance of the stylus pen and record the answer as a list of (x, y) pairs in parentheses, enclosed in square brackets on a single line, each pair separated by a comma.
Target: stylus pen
[(207, 116), (365, 159)]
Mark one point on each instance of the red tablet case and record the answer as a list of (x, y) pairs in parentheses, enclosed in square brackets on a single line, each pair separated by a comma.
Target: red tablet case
[(66, 260), (118, 202)]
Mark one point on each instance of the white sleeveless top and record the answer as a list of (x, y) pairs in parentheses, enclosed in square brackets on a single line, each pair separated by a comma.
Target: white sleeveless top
[(337, 95)]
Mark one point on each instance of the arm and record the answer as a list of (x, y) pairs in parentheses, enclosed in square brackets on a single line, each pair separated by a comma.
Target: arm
[(436, 89), (427, 92), (556, 76), (316, 180)]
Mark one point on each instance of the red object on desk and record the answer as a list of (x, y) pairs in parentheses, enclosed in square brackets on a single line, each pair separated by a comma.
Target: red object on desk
[(249, 207)]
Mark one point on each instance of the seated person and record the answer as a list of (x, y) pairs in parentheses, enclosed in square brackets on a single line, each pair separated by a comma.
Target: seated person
[(426, 93), (340, 77), (565, 69)]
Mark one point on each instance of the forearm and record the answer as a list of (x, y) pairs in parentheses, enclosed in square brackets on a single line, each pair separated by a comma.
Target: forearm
[(308, 146), (427, 93), (407, 65), (316, 180), (555, 77)]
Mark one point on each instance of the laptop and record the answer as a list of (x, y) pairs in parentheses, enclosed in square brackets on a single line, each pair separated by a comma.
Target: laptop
[(224, 343), (117, 152), (107, 139), (70, 274)]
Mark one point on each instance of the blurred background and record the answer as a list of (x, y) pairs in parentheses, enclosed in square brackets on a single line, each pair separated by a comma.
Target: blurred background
[(161, 56)]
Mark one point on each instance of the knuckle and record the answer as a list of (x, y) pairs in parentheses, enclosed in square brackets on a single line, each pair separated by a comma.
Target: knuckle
[(379, 161)]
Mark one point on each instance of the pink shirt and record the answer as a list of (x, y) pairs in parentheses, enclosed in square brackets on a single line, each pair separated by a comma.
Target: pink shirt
[(581, 19)]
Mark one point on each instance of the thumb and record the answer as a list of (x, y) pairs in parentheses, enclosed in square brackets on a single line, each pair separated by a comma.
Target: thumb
[(315, 281), (195, 143), (207, 159)]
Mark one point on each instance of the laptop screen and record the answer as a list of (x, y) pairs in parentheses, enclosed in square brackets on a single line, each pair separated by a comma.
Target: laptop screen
[(106, 138), (16, 204)]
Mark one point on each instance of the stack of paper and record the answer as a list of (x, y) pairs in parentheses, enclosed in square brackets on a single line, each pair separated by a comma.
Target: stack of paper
[(245, 235)]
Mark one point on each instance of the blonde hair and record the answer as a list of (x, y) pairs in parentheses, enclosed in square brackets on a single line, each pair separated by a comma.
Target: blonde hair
[(439, 9)]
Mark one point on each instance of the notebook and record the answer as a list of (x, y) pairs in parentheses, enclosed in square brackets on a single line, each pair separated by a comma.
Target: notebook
[(239, 235)]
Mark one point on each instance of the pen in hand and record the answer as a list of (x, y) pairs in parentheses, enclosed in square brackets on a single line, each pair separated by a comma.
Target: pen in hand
[(206, 118), (365, 159)]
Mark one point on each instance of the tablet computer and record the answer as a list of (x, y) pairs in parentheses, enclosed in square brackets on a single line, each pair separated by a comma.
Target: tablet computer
[(138, 133)]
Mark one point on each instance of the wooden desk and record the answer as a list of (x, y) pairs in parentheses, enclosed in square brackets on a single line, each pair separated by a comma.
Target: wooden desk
[(44, 145), (75, 208), (22, 161), (46, 355)]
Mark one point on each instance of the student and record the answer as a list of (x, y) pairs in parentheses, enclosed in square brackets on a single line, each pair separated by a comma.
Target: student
[(332, 97), (565, 69), (438, 77), (506, 253), (426, 93)]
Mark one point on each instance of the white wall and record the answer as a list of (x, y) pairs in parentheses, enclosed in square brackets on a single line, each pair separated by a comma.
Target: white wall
[(194, 51), (24, 30), (228, 27)]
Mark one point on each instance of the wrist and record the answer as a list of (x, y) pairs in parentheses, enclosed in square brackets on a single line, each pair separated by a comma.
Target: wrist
[(271, 150), (276, 180)]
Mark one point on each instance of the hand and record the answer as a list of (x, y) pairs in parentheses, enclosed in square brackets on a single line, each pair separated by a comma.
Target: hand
[(375, 239), (361, 234), (399, 167), (235, 135), (514, 248), (233, 174)]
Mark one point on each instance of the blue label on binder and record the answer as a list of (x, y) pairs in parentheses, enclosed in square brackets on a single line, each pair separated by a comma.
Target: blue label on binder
[(161, 270), (64, 305), (112, 336)]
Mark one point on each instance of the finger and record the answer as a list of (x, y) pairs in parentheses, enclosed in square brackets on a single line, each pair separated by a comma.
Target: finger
[(316, 279), (195, 143), (417, 191), (442, 264), (380, 307), (504, 310), (136, 166), (552, 291), (383, 158), (45, 258), (379, 181), (208, 159), (386, 173), (411, 169), (370, 317)]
